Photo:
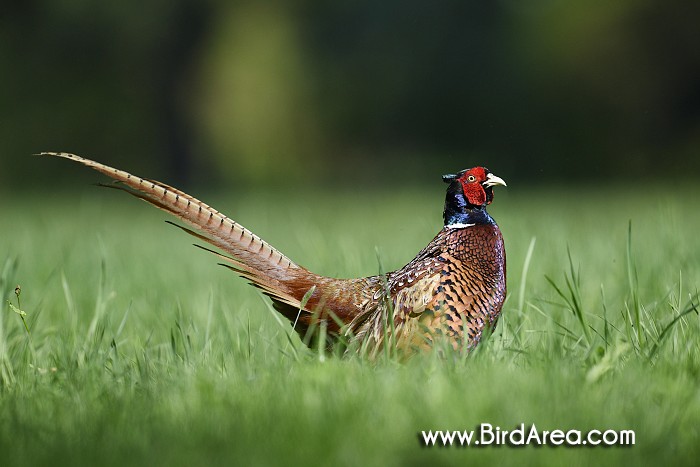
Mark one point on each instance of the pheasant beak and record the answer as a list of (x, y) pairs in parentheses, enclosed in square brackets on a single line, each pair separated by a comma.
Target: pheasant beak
[(492, 180)]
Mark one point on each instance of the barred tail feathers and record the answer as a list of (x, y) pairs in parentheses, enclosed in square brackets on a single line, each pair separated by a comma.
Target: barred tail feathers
[(252, 257)]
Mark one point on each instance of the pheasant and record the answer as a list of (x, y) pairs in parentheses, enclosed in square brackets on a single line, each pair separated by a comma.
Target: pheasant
[(453, 289)]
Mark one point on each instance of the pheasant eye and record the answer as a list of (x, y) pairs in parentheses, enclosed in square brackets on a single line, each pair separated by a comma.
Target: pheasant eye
[(471, 178)]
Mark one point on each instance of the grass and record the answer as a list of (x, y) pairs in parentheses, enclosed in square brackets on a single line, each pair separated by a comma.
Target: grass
[(141, 351)]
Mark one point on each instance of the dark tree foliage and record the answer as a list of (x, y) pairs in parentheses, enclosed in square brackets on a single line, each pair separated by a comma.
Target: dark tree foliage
[(552, 90)]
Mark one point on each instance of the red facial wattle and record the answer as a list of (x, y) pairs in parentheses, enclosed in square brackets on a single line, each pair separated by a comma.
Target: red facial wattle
[(471, 182)]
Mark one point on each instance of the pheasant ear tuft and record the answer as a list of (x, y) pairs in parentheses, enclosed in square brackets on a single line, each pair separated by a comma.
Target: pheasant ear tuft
[(449, 177)]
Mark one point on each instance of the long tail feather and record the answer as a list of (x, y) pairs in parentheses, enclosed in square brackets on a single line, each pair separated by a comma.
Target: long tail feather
[(251, 257)]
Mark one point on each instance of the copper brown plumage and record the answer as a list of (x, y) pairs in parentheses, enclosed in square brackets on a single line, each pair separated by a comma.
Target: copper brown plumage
[(453, 289)]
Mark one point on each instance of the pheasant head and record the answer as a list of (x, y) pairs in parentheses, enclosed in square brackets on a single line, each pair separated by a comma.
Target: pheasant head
[(468, 194)]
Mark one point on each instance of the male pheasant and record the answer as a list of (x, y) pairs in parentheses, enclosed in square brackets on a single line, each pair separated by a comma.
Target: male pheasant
[(453, 289)]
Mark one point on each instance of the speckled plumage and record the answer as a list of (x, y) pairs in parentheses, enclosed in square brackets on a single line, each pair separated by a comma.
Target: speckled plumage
[(455, 284), (453, 289)]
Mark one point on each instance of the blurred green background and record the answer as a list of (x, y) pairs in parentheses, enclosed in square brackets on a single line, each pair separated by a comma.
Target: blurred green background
[(311, 93), (135, 334)]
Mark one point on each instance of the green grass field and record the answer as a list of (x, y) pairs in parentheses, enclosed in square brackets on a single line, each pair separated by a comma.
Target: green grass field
[(143, 352)]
